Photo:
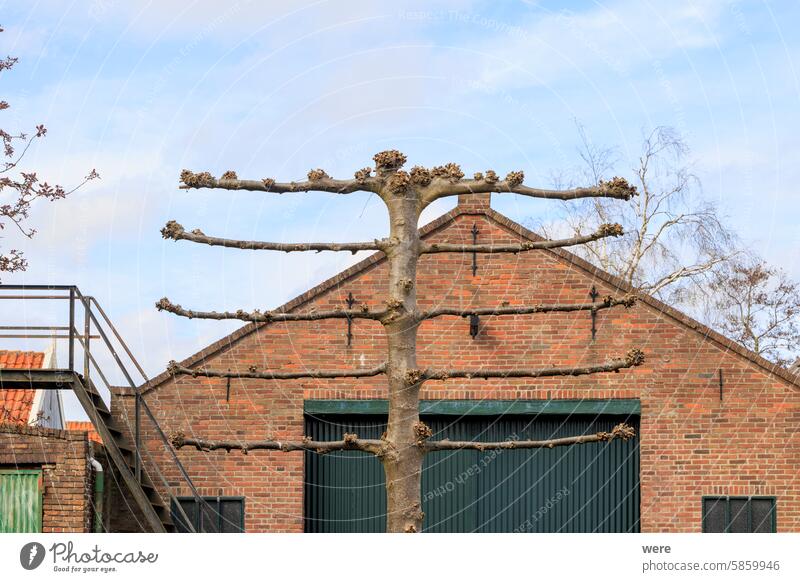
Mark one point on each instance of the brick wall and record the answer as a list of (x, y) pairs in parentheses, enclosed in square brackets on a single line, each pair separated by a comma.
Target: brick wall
[(692, 442), (63, 457)]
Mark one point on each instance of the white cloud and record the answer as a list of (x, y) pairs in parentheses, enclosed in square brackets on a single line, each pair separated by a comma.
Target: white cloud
[(611, 39)]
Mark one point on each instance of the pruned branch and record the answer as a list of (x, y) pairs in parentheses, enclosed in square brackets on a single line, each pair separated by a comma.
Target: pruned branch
[(432, 184), (176, 369), (634, 357), (606, 303), (621, 431), (439, 188), (175, 231), (317, 182), (257, 316), (349, 442), (603, 231)]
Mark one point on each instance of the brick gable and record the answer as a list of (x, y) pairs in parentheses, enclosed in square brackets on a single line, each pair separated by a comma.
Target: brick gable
[(693, 442)]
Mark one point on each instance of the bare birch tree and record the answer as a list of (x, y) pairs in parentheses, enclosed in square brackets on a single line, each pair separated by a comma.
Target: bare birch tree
[(406, 194), (673, 239)]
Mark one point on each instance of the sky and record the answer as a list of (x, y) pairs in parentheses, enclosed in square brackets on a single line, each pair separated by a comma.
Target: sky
[(141, 90)]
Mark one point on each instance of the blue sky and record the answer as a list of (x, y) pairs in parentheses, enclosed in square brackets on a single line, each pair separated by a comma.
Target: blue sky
[(141, 90)]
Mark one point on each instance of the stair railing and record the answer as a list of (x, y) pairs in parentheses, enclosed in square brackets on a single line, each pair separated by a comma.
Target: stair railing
[(91, 311)]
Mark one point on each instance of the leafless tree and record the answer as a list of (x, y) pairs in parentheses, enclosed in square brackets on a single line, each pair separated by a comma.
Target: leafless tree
[(758, 306), (406, 195), (673, 240), (19, 189)]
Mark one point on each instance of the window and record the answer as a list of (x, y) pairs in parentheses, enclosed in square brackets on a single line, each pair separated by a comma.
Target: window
[(739, 514), (216, 515)]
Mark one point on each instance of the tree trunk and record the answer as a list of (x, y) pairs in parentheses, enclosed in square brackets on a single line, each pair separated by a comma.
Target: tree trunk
[(402, 448), (402, 462)]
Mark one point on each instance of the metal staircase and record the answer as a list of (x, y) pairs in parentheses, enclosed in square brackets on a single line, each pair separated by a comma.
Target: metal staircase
[(123, 443)]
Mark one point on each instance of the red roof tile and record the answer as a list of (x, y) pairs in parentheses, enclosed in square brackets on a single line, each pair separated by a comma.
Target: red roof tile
[(21, 360), (15, 405), (85, 426)]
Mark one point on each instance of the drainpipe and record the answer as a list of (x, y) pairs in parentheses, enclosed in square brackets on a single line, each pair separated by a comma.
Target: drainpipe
[(99, 489)]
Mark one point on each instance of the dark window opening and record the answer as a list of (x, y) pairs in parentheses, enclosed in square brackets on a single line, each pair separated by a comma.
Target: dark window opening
[(739, 515), (216, 515)]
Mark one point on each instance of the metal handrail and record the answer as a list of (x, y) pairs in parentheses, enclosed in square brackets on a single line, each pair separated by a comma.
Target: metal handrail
[(144, 449), (140, 405)]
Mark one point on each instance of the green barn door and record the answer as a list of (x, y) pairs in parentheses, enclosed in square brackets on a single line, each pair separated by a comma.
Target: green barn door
[(584, 488), (20, 500), (344, 491)]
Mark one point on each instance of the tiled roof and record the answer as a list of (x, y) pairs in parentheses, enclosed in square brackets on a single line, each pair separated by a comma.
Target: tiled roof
[(84, 426), (15, 405), (21, 360)]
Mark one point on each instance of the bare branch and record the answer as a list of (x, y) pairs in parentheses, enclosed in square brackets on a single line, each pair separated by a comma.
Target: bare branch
[(621, 431), (635, 357), (603, 231), (175, 231), (442, 187), (349, 442), (758, 306), (257, 316), (683, 272), (606, 303), (176, 369), (316, 183)]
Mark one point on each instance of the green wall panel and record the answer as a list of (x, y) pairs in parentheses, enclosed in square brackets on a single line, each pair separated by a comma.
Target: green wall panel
[(20, 501)]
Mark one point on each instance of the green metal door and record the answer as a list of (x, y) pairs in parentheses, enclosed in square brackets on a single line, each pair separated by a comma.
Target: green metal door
[(583, 488), (20, 500)]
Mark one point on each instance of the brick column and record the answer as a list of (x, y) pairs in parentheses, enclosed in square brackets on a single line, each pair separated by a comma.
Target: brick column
[(478, 202)]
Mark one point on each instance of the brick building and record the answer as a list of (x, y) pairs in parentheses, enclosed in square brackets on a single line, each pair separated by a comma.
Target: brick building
[(46, 475), (45, 480), (717, 449)]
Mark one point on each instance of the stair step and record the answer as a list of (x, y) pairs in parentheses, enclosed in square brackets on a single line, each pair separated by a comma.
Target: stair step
[(162, 511), (115, 432), (92, 392), (127, 454), (119, 437)]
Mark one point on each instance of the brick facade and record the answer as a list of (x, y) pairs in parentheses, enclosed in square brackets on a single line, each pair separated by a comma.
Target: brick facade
[(695, 439), (63, 457)]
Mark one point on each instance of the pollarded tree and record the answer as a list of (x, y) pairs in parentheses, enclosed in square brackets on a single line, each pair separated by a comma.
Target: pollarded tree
[(406, 194)]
